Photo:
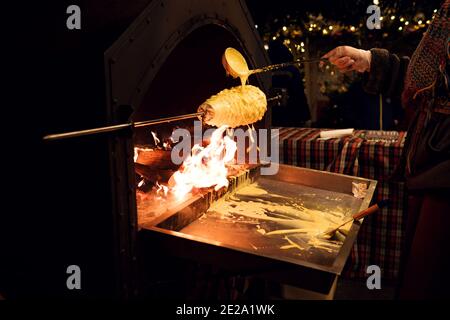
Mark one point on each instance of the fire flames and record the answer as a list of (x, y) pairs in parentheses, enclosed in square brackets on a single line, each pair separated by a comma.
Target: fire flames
[(206, 166), (162, 190)]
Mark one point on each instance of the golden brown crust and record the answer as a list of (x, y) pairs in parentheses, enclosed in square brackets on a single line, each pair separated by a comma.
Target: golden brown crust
[(235, 107)]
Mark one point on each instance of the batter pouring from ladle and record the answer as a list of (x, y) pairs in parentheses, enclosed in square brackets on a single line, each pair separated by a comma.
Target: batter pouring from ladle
[(236, 65)]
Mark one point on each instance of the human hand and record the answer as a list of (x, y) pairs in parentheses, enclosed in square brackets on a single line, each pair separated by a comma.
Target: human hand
[(347, 58)]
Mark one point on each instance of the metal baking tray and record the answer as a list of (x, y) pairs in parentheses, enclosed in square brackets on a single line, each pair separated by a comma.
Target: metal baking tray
[(237, 241)]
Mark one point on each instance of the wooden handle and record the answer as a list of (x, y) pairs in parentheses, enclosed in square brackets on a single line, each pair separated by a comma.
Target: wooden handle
[(366, 212)]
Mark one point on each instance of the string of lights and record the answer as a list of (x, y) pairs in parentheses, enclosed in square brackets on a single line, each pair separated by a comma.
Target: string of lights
[(308, 34), (394, 23)]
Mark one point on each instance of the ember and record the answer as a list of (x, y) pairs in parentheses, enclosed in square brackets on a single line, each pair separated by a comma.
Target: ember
[(162, 190)]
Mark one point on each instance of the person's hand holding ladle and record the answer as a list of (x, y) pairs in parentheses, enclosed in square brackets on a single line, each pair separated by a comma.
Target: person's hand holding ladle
[(347, 58)]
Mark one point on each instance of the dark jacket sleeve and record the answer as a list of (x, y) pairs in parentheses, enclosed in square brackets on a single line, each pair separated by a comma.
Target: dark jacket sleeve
[(387, 73)]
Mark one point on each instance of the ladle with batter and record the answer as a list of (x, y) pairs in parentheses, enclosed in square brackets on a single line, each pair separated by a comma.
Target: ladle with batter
[(236, 65)]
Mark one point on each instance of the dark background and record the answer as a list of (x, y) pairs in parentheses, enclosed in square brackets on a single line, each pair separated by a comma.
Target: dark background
[(55, 83)]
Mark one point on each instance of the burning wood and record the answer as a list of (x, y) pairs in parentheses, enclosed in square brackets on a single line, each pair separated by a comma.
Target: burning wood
[(153, 174), (154, 158), (207, 167)]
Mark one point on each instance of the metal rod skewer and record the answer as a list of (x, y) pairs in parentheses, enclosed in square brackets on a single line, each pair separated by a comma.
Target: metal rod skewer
[(139, 124), (117, 127), (169, 119), (73, 134)]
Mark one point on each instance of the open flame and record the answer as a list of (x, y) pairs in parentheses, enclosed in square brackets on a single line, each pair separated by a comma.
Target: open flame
[(155, 138), (162, 190), (206, 166), (250, 131)]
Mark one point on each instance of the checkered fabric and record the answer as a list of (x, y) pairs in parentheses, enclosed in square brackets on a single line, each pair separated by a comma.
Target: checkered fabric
[(380, 237)]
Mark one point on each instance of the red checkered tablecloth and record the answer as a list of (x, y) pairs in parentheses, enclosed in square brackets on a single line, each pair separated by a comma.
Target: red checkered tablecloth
[(380, 237)]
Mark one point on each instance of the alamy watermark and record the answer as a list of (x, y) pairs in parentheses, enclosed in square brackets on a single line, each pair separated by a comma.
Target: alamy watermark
[(73, 281), (74, 19), (374, 280), (374, 20)]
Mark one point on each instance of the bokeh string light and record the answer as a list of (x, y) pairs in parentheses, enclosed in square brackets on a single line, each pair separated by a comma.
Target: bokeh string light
[(302, 32), (392, 21)]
